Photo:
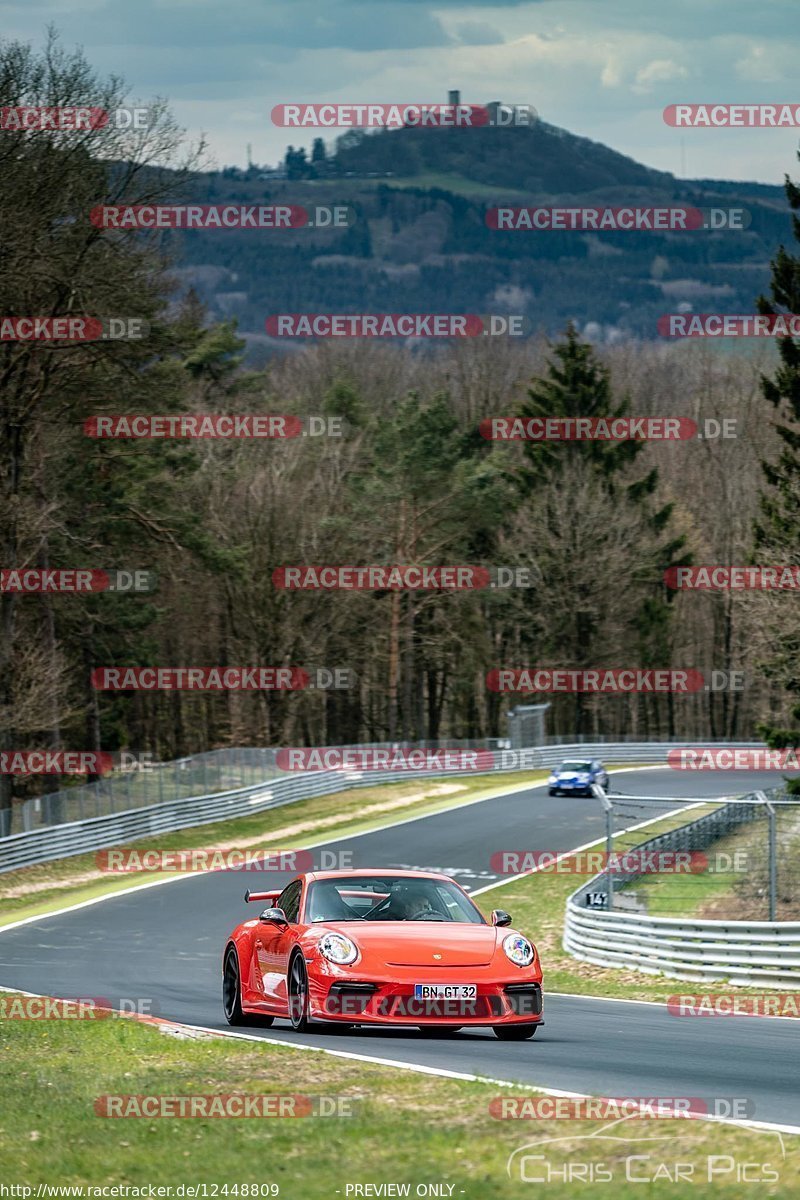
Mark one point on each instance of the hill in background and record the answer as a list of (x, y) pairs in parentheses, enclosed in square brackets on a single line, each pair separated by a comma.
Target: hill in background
[(421, 242)]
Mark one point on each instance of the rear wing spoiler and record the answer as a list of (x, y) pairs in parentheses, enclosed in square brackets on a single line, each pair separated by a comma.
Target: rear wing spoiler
[(269, 896)]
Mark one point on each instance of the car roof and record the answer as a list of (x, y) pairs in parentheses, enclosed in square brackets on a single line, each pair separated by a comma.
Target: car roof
[(365, 873)]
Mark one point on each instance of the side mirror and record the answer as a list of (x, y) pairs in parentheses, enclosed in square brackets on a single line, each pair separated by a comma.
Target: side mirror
[(275, 916), (499, 917)]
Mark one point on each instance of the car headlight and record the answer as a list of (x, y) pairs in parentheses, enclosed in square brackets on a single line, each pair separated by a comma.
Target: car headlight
[(553, 778), (584, 778), (338, 949), (519, 950)]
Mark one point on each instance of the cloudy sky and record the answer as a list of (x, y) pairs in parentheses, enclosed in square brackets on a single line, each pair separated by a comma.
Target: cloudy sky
[(601, 68)]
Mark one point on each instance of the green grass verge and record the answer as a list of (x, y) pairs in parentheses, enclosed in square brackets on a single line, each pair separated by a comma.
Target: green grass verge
[(688, 895), (737, 895), (32, 891), (405, 1128)]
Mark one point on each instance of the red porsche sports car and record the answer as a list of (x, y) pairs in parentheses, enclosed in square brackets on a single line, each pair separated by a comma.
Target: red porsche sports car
[(381, 948)]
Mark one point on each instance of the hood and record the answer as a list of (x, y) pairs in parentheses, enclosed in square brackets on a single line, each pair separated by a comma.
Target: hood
[(414, 943)]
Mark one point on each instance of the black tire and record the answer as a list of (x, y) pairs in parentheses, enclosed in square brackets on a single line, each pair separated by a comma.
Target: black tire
[(514, 1033), (553, 791), (232, 994), (297, 993)]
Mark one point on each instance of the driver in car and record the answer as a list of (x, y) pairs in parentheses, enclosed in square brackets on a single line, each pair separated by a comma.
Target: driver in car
[(415, 905)]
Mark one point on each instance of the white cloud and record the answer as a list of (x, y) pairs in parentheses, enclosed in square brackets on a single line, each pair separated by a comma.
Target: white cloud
[(768, 64), (611, 76), (660, 70)]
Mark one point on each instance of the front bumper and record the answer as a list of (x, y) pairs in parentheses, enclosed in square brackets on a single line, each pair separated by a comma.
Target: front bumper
[(371, 1002)]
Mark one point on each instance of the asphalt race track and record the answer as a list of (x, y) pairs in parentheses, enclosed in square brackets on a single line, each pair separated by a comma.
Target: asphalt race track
[(165, 943)]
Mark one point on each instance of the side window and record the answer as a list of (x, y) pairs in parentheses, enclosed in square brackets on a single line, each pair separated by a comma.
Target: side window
[(289, 900)]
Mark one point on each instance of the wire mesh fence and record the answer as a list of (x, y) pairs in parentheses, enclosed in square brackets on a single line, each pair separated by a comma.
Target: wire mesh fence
[(138, 782), (715, 859)]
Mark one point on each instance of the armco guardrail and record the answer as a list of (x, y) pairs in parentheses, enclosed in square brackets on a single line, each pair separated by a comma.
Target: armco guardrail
[(96, 833), (764, 953)]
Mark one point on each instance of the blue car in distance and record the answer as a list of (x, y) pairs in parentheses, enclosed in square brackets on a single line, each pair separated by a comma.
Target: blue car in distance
[(577, 775)]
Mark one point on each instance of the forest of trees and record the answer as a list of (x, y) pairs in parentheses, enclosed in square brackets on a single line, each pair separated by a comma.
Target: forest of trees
[(409, 481)]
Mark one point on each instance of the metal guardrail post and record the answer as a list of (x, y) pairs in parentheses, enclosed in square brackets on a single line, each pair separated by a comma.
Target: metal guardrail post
[(771, 816), (773, 856), (609, 811), (609, 851)]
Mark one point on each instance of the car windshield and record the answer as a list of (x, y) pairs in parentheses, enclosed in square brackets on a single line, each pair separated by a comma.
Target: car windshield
[(575, 766), (389, 898)]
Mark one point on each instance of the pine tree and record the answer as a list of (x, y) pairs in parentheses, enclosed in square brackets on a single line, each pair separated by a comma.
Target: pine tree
[(576, 385)]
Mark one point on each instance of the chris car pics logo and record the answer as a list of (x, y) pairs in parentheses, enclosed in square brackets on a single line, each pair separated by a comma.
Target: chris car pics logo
[(619, 1153)]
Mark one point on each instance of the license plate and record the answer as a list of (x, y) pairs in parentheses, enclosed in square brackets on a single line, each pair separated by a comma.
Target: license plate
[(445, 991)]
